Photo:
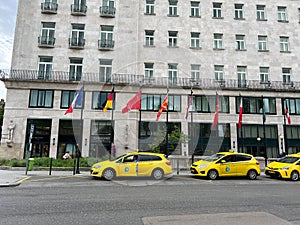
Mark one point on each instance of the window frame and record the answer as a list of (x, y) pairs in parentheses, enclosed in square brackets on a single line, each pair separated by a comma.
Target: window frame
[(40, 98), (149, 37), (150, 7), (172, 38), (284, 44), (195, 9), (240, 43), (261, 13), (262, 42), (239, 11), (218, 41), (195, 40), (217, 10), (105, 70)]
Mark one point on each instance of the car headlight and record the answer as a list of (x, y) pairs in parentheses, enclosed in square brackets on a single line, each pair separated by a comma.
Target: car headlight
[(202, 166), (285, 168), (96, 167)]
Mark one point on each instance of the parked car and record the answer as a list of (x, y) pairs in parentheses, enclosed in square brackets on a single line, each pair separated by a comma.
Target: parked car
[(133, 164), (287, 167), (224, 164)]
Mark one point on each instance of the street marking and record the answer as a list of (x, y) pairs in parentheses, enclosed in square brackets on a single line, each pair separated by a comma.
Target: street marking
[(24, 179)]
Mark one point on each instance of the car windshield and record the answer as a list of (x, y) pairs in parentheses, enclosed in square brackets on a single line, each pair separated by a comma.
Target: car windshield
[(213, 157), (116, 158), (288, 159)]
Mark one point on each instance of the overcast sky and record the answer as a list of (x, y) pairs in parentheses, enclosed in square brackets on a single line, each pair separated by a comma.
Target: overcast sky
[(8, 9)]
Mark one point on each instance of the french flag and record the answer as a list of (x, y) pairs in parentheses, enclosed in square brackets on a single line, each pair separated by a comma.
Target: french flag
[(76, 101)]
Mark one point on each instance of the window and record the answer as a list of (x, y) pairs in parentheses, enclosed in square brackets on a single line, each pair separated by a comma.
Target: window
[(45, 68), (219, 74), (299, 15), (41, 98), (47, 34), (253, 105), (264, 74), (108, 8), (173, 38), (238, 11), (149, 38), (105, 70), (66, 98), (286, 75), (282, 15), (262, 43), (293, 105), (218, 41), (261, 12), (149, 71), (195, 40), (172, 8), (172, 73), (106, 37), (284, 44), (240, 42), (79, 7), (153, 102), (49, 6), (99, 99), (242, 76), (77, 36), (150, 4), (195, 72), (75, 69), (217, 10), (195, 9), (207, 104)]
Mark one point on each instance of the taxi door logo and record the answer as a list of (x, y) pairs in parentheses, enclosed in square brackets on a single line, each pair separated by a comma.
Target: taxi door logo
[(126, 169), (227, 169)]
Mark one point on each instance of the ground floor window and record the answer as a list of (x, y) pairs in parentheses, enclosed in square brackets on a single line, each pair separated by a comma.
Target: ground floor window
[(38, 133), (292, 139)]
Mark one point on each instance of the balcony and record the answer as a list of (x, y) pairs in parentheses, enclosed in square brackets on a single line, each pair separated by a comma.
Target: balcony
[(133, 79), (107, 11), (48, 7), (78, 10), (46, 41), (105, 44), (75, 43)]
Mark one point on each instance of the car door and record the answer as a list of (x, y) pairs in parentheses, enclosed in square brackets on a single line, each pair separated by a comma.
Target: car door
[(128, 166), (243, 164), (145, 165), (227, 166)]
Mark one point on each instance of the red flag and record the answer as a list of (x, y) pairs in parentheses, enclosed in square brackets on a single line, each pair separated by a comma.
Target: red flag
[(134, 103), (216, 118), (163, 107), (241, 114), (287, 114)]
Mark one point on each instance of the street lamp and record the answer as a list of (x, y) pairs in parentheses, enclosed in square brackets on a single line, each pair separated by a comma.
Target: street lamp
[(258, 140)]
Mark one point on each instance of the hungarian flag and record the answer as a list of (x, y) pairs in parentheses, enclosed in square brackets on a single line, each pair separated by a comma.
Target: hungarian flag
[(134, 103), (216, 118), (287, 114), (163, 107), (241, 114), (108, 104), (76, 101), (190, 103)]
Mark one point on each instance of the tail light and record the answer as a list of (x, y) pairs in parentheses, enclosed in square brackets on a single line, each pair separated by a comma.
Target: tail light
[(168, 163), (257, 163)]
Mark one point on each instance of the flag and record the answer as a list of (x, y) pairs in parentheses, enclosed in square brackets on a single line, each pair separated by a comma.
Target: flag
[(108, 104), (263, 111), (216, 118), (240, 114), (134, 103), (76, 101), (190, 103), (287, 114), (163, 107)]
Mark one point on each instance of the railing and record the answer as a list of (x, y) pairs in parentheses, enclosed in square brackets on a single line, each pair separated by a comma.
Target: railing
[(48, 7), (107, 11), (46, 41), (76, 43), (133, 79), (77, 9), (106, 44)]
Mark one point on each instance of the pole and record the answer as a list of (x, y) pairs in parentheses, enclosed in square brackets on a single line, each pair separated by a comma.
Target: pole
[(81, 134), (112, 123), (264, 132), (139, 129), (285, 133), (167, 122)]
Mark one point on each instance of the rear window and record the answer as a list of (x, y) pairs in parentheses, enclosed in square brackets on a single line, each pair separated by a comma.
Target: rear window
[(149, 158), (243, 158)]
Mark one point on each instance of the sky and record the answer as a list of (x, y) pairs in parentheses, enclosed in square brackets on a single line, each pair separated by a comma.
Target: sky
[(8, 9)]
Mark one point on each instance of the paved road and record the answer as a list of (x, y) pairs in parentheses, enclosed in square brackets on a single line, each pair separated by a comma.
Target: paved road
[(82, 200)]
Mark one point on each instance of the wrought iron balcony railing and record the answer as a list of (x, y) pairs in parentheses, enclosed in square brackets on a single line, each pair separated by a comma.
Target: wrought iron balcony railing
[(107, 11), (106, 44), (76, 43), (48, 7), (77, 9), (133, 79), (46, 41)]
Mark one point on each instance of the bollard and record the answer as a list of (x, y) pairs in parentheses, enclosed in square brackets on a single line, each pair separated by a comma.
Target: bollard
[(50, 167), (177, 166)]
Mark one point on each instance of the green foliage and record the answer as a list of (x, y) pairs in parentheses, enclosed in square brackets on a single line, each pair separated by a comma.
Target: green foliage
[(3, 161)]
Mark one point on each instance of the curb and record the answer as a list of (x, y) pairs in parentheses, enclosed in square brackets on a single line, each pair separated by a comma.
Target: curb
[(10, 185)]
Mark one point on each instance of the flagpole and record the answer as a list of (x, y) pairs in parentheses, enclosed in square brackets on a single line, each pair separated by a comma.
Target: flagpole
[(264, 132), (112, 122), (139, 129), (284, 131), (167, 122), (79, 150), (192, 125), (242, 134)]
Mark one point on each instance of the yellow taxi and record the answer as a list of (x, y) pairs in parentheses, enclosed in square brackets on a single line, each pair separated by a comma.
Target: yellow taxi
[(133, 164), (287, 167), (224, 164)]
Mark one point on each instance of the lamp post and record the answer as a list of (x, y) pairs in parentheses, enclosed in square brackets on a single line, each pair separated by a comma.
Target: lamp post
[(281, 137), (258, 141)]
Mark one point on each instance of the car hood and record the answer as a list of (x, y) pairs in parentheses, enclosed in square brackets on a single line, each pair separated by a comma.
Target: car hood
[(103, 163), (278, 165), (202, 162)]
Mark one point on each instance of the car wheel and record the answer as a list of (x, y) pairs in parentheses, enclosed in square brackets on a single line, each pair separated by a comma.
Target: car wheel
[(212, 174), (108, 174), (294, 176), (157, 174), (252, 175)]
